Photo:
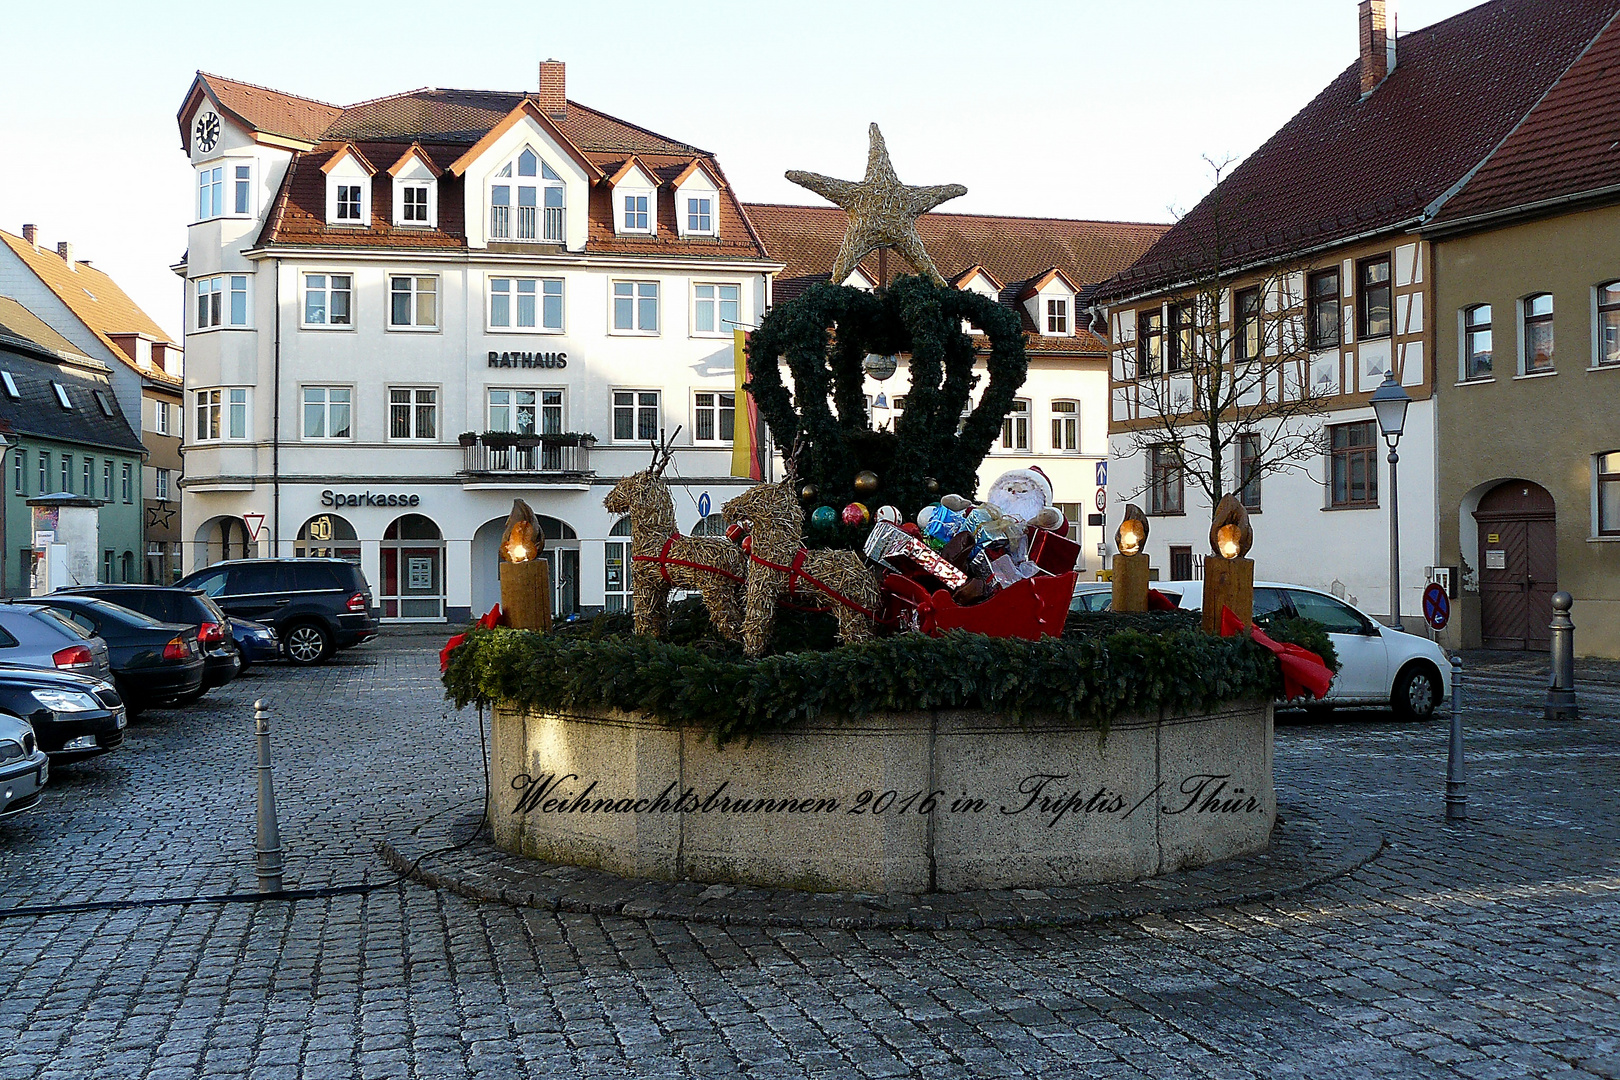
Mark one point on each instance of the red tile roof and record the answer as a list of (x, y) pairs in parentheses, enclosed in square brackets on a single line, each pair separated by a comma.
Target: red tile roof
[(1013, 250), (262, 109), (444, 124), (1344, 166), (1568, 145)]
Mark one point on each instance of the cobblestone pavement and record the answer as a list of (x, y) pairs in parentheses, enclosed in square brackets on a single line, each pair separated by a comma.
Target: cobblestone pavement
[(1484, 950)]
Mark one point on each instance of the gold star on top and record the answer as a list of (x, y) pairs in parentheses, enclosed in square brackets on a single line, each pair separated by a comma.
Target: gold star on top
[(882, 211)]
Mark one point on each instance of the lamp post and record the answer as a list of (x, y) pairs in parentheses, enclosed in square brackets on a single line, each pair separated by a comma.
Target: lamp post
[(1389, 403)]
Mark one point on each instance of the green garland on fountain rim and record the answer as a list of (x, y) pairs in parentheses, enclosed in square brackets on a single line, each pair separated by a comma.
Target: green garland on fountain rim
[(825, 334)]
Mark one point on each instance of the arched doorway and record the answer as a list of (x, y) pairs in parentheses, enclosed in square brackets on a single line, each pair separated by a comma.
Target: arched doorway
[(327, 536), (223, 538), (1518, 565), (412, 570)]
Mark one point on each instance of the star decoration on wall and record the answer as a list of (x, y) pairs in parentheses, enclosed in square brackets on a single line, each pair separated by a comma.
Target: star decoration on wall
[(883, 212), (158, 518)]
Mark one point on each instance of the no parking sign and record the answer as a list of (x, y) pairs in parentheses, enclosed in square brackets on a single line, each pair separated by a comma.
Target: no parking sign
[(1436, 606)]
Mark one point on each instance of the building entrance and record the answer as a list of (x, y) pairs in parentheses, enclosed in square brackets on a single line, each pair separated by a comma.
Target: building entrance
[(1518, 565)]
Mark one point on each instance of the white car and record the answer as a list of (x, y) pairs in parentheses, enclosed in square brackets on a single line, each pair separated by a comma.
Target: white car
[(24, 767), (1377, 665)]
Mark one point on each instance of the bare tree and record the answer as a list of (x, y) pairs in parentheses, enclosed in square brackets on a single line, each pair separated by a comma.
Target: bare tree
[(1221, 363)]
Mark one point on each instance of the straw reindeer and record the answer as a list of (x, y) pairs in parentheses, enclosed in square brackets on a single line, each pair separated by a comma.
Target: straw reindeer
[(779, 566), (662, 559)]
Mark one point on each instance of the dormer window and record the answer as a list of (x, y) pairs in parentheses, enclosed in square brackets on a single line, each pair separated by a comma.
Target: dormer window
[(1057, 316), (635, 200), (526, 201), (413, 204), (348, 188), (415, 189)]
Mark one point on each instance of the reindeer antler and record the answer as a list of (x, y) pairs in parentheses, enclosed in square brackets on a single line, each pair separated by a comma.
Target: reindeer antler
[(663, 451), (793, 459)]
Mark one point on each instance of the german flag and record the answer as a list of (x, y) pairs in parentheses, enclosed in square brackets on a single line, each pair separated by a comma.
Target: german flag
[(748, 440)]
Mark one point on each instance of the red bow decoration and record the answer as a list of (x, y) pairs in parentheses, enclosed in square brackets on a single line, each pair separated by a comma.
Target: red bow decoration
[(488, 621), (1303, 671)]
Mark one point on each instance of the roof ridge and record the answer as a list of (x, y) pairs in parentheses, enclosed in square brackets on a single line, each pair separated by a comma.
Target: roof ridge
[(266, 89), (636, 127), (998, 217), (409, 93)]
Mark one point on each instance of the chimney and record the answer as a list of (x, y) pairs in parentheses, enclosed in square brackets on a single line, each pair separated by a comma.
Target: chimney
[(1376, 58), (65, 249), (554, 89), (31, 236)]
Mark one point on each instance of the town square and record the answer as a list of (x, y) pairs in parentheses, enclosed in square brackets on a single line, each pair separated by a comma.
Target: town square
[(1027, 557)]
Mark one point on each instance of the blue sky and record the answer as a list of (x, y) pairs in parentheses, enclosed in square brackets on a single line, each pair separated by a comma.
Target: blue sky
[(1083, 109)]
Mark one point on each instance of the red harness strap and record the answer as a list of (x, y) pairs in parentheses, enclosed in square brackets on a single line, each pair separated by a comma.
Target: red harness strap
[(796, 571), (665, 562)]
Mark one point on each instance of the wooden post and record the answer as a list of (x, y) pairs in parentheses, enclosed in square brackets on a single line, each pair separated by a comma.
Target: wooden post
[(526, 594), (1228, 583), (1130, 582)]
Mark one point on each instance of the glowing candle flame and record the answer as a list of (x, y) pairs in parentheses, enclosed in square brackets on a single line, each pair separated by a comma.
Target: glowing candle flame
[(1132, 534), (1230, 534), (522, 539)]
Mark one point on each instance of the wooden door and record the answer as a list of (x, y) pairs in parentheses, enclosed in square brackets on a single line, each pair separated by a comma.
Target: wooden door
[(1518, 566)]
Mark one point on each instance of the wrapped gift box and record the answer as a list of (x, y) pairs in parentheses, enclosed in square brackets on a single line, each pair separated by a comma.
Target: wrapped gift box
[(1052, 552), (907, 555)]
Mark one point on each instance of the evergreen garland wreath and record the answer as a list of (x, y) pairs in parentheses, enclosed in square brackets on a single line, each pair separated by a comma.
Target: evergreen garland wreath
[(825, 334)]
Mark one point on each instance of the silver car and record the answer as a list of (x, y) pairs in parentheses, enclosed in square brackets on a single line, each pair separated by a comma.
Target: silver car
[(39, 637), (24, 768)]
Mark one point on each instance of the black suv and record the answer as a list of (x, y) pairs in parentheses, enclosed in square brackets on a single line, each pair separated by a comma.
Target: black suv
[(317, 606), (222, 660)]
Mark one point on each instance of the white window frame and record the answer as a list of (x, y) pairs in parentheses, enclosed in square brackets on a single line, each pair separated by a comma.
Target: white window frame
[(160, 417), (211, 190), (106, 480), (544, 181), (227, 416), (160, 484), (10, 381), (416, 292), (636, 298), (1598, 358), (717, 408), (336, 181), (1016, 422), (540, 406), (241, 191), (1065, 423), (722, 326), (325, 288), (513, 291), (635, 405), (62, 398), (1048, 316), (127, 482), (1522, 309), (687, 212), (414, 404), (325, 404), (404, 184), (222, 302), (621, 212)]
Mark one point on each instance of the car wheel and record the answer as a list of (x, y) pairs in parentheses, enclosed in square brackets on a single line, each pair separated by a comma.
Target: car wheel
[(1417, 693), (307, 643)]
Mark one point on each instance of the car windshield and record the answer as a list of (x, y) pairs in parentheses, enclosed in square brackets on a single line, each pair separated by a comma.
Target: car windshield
[(1337, 616)]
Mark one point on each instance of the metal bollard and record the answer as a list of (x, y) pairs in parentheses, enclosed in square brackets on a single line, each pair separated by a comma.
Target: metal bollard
[(268, 852), (1561, 692), (1456, 783)]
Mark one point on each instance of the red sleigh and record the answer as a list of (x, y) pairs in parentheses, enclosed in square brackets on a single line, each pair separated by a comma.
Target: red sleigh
[(1031, 609)]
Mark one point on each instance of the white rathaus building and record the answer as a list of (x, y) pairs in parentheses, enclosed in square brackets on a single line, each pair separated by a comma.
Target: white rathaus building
[(404, 313)]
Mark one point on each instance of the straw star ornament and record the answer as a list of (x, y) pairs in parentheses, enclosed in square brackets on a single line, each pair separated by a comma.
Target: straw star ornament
[(883, 212)]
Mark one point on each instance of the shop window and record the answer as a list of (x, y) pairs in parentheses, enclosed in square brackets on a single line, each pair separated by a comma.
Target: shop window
[(327, 536)]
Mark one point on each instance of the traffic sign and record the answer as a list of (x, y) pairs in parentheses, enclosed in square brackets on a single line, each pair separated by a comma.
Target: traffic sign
[(1102, 474), (1102, 499), (255, 525), (1436, 606), (704, 504)]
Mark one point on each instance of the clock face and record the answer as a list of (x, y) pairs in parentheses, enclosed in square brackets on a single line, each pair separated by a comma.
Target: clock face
[(207, 131)]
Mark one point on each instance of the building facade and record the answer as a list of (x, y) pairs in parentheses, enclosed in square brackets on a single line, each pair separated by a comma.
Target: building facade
[(1527, 270), (402, 314), (1318, 242), (99, 321), (67, 436)]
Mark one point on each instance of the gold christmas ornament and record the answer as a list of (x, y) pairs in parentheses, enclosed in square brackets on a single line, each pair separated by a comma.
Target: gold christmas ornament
[(1230, 534), (866, 482), (808, 493), (930, 485), (1132, 534), (883, 212)]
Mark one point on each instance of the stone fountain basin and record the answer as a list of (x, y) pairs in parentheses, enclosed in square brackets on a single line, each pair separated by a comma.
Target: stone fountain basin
[(845, 805)]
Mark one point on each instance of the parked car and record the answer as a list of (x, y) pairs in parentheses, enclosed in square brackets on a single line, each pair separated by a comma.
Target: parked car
[(222, 660), (24, 768), (1092, 596), (316, 606), (73, 716), (152, 661), (39, 637), (256, 641), (1377, 665)]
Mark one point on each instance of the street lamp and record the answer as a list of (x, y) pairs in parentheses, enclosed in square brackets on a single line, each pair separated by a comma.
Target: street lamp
[(1389, 403)]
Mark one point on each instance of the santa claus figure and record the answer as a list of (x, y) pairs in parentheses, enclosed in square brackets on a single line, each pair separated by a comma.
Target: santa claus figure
[(1025, 496)]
